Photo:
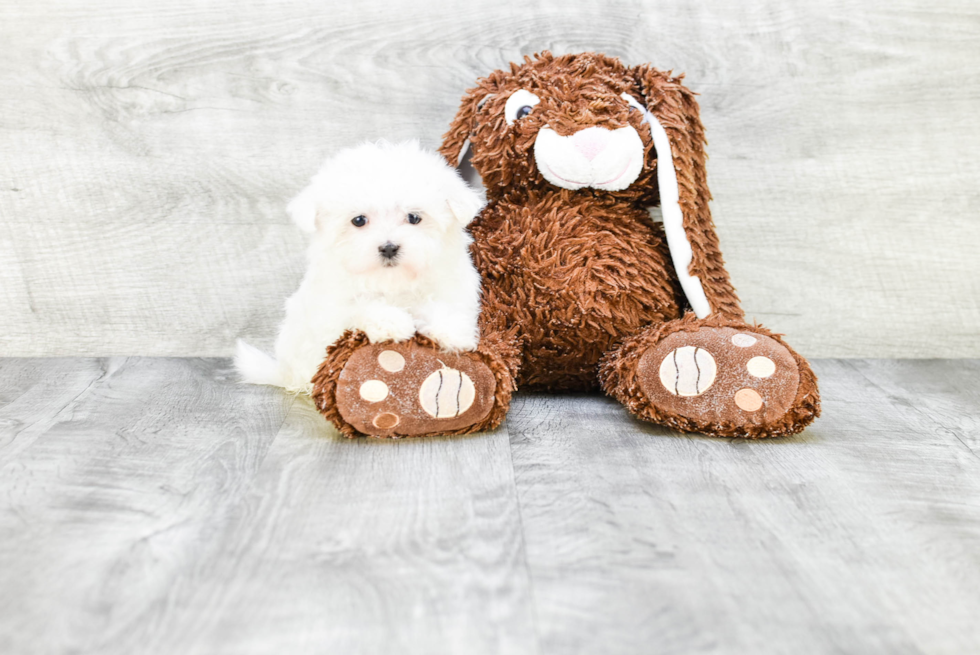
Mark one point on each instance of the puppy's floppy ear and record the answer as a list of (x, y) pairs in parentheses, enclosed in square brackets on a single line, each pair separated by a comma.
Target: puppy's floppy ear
[(302, 209), (456, 141), (463, 202), (678, 136)]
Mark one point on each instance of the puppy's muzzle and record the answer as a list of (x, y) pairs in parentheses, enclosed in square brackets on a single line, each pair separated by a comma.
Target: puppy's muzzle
[(389, 252)]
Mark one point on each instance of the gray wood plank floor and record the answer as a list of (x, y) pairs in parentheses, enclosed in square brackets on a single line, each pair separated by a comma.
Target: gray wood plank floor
[(157, 506)]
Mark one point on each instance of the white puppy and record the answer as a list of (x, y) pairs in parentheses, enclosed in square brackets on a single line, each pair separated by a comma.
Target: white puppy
[(389, 256)]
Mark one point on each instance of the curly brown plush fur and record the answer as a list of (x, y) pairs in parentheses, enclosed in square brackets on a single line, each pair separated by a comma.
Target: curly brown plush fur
[(573, 278), (577, 92), (585, 274)]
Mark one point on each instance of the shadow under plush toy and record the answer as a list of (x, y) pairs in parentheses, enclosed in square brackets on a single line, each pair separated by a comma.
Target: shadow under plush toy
[(581, 287)]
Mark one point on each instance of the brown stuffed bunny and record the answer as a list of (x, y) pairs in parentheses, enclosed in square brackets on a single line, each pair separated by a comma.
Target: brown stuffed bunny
[(582, 286)]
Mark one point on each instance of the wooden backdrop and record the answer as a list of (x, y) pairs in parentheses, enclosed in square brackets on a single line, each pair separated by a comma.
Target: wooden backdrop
[(147, 150)]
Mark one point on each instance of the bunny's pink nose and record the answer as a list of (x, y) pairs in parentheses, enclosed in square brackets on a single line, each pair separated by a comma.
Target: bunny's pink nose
[(591, 141)]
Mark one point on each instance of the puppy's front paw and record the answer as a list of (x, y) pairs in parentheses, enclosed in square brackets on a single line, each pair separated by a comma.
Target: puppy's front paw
[(452, 336), (388, 324)]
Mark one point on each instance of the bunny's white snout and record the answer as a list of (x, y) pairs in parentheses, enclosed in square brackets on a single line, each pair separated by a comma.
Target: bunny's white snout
[(594, 157)]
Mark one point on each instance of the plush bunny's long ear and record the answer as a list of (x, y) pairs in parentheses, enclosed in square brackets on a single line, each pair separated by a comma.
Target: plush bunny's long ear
[(456, 142), (678, 138)]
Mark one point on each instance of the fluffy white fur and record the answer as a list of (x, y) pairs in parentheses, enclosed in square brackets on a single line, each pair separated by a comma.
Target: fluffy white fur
[(430, 286)]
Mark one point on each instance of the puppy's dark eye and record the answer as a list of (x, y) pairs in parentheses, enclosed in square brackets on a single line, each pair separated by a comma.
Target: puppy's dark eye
[(523, 111), (414, 219), (359, 221)]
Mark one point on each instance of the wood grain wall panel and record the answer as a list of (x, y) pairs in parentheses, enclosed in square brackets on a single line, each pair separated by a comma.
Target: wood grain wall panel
[(147, 153)]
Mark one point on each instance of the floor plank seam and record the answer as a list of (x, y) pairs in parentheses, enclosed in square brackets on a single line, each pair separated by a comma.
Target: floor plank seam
[(70, 404), (918, 411), (520, 521), (105, 374), (285, 416)]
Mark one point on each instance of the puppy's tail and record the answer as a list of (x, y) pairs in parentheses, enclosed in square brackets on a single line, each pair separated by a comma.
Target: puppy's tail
[(255, 366)]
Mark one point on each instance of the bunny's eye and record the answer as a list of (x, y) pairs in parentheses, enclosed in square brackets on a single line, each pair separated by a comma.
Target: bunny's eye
[(359, 221), (519, 105), (414, 218)]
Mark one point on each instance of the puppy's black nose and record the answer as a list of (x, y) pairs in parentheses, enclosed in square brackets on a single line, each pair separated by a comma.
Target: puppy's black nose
[(389, 250)]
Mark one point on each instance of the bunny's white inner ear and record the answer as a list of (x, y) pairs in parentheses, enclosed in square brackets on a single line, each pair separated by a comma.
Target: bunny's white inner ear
[(465, 167), (483, 101), (673, 217), (464, 152)]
